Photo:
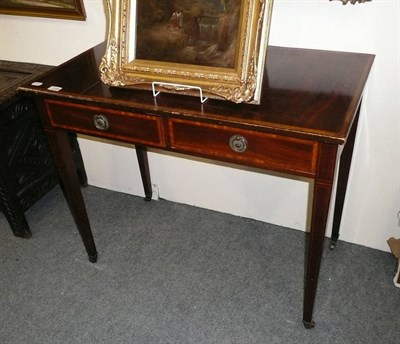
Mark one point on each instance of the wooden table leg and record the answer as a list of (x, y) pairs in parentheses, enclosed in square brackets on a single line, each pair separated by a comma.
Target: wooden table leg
[(63, 159), (143, 161), (321, 201), (343, 177)]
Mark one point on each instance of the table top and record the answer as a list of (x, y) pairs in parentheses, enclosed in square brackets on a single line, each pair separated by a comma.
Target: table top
[(312, 94)]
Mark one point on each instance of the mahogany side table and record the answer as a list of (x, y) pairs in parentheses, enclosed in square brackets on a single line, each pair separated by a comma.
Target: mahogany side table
[(310, 106)]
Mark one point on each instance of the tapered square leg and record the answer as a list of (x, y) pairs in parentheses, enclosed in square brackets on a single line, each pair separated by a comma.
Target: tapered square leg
[(321, 201), (63, 159)]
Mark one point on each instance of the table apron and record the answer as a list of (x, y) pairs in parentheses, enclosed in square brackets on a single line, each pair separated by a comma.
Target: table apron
[(215, 141)]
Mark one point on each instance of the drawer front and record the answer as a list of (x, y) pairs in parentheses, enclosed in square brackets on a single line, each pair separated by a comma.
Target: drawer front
[(244, 147), (118, 125)]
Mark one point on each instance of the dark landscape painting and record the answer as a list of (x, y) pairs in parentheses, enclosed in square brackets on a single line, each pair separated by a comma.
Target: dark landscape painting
[(198, 32), (60, 9), (41, 3)]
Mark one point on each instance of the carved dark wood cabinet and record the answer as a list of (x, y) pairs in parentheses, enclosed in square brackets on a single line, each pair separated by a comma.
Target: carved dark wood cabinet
[(26, 166)]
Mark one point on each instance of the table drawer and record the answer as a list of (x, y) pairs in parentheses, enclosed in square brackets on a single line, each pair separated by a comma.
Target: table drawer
[(118, 125), (245, 147)]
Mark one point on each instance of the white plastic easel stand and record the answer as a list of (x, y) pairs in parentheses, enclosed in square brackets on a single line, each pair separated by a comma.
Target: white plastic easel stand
[(155, 93)]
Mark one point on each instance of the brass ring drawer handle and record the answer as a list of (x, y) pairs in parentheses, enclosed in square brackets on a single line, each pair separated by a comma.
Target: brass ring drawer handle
[(238, 143), (101, 122)]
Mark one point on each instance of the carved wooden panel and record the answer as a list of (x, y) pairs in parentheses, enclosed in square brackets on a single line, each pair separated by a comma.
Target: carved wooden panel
[(27, 171)]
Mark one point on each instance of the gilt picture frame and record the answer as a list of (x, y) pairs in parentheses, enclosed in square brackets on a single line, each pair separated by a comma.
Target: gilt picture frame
[(219, 46), (59, 9)]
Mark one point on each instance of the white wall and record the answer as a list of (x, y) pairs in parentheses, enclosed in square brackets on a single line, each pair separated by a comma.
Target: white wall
[(370, 215)]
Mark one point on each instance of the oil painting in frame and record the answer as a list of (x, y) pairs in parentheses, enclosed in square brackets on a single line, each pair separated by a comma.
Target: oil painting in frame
[(219, 46), (61, 9)]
